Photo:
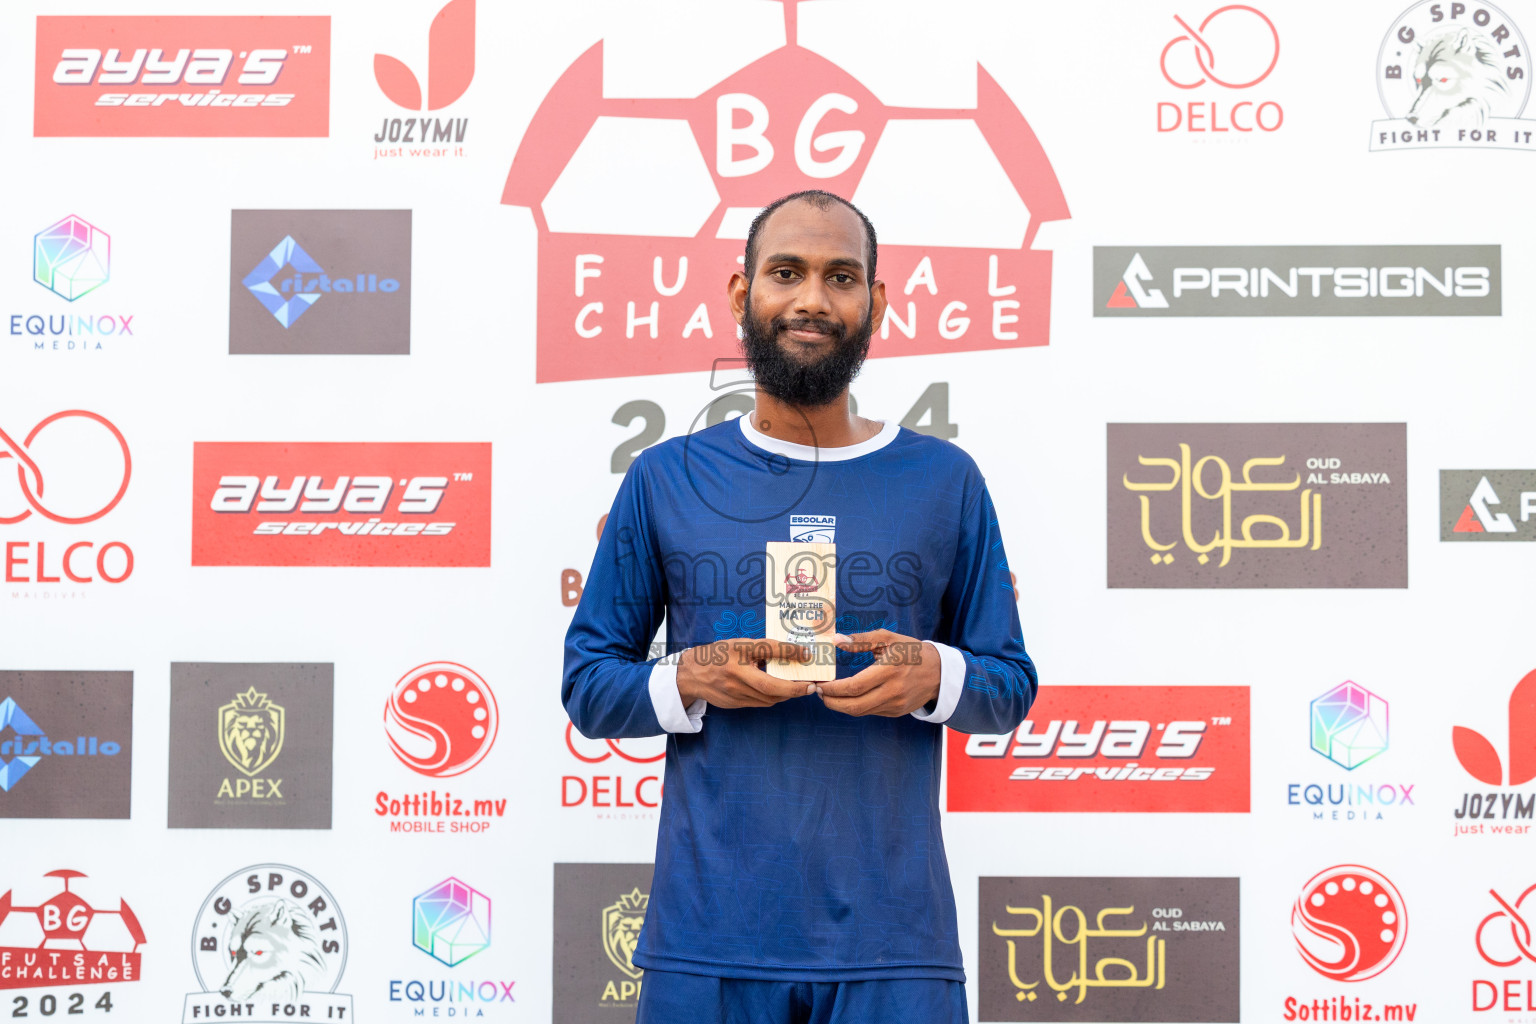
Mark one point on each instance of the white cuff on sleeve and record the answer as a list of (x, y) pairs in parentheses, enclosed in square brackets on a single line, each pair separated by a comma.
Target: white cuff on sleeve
[(668, 704), (951, 680)]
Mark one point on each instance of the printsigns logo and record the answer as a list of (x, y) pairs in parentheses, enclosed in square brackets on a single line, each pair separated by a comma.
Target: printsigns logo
[(341, 503), (65, 744), (80, 944), (251, 731), (1234, 47), (1453, 74), (182, 76), (450, 62), (1296, 280), (71, 257), (451, 922), (344, 290), (630, 192), (1111, 748), (1236, 498), (1349, 923), (1109, 949), (269, 945), (441, 719), (599, 912), (1349, 725), (1473, 505), (271, 724)]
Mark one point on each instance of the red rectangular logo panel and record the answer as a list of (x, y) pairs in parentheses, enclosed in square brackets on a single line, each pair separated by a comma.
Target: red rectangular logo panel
[(1111, 748), (341, 503), (182, 76)]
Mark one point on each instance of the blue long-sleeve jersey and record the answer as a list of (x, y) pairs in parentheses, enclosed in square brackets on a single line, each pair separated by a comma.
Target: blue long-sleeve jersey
[(796, 842)]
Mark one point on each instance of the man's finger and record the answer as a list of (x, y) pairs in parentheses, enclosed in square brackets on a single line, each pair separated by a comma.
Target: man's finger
[(856, 685), (873, 640), (771, 686)]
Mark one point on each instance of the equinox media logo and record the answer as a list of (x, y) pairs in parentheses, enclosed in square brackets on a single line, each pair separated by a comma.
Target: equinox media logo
[(71, 257), (451, 922)]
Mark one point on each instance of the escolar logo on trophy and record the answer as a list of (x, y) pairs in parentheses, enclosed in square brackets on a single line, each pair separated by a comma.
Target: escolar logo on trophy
[(621, 930), (269, 945), (251, 731)]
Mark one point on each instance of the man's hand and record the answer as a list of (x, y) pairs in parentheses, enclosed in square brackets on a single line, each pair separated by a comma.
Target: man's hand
[(904, 677), (729, 674)]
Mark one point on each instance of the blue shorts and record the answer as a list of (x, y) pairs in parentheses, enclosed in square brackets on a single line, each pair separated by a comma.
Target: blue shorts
[(670, 998)]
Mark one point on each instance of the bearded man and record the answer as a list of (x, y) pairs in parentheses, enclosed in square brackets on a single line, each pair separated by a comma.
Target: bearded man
[(800, 867)]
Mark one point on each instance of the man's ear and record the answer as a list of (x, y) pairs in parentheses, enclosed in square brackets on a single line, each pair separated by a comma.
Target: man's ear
[(876, 305), (737, 290)]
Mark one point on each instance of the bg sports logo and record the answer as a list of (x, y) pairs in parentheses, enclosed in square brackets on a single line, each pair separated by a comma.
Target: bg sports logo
[(182, 76), (641, 205), (1111, 748), (341, 503)]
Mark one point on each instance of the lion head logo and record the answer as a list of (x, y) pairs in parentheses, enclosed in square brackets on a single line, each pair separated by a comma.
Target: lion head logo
[(621, 930), (251, 731)]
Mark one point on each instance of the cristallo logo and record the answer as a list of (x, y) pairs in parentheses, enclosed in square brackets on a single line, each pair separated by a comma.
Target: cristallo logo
[(251, 731), (622, 921), (636, 198)]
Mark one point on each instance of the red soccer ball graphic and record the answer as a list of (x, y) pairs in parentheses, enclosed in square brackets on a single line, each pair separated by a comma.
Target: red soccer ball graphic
[(1349, 923), (66, 921), (441, 719)]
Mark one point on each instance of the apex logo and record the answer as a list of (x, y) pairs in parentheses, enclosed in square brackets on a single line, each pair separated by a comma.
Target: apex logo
[(1477, 518), (1129, 294), (450, 62), (1479, 757)]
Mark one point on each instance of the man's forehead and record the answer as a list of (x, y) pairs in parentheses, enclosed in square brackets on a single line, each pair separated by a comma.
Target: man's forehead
[(803, 228)]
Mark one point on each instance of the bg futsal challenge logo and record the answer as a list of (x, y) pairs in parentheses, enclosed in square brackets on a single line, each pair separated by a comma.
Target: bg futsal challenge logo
[(641, 205)]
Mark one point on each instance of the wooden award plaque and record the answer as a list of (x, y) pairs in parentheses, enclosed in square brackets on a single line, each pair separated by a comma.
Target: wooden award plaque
[(801, 593)]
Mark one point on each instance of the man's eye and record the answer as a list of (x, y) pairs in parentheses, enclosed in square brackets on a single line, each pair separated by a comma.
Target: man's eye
[(784, 273)]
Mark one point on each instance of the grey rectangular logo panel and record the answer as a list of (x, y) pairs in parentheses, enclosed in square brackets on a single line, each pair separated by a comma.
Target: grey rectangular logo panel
[(1296, 280), (1487, 505), (250, 745), (1109, 949), (599, 909), (320, 282), (66, 744), (1255, 505)]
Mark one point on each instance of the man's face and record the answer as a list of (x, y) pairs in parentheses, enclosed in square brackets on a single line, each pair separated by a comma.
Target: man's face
[(809, 312)]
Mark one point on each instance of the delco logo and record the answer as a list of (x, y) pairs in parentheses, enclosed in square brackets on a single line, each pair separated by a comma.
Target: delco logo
[(182, 76), (641, 199), (1111, 748), (341, 504)]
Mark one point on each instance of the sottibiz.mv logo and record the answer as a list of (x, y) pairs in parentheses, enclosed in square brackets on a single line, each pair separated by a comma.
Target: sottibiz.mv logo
[(182, 76), (1111, 748), (641, 206), (321, 503)]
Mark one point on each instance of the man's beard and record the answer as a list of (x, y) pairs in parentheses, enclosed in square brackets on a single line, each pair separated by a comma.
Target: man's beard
[(787, 378)]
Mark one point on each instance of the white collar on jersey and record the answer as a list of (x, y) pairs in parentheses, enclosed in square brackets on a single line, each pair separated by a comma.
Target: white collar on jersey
[(810, 453)]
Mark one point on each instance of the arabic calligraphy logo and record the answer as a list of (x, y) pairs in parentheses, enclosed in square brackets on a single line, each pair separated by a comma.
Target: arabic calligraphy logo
[(1477, 517), (1048, 926), (1519, 930), (1243, 33), (441, 719), (251, 731), (1349, 725), (450, 61), (1193, 479), (91, 502), (71, 257), (1479, 757), (621, 930), (1349, 923)]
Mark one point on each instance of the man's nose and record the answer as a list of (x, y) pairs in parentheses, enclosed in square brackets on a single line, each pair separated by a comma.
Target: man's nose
[(811, 298)]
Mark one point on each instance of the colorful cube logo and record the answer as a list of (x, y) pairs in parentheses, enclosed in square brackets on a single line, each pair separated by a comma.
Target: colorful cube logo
[(1349, 725), (72, 257), (451, 922)]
